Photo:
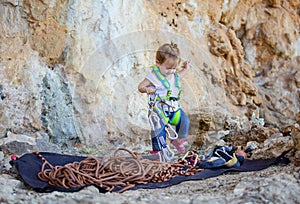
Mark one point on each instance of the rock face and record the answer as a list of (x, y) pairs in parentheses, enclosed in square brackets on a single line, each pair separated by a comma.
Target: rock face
[(70, 69)]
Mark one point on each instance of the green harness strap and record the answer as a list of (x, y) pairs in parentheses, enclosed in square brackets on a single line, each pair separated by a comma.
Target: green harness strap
[(166, 83), (177, 115)]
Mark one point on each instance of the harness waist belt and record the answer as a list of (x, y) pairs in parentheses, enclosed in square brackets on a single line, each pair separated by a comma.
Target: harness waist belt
[(173, 99), (163, 99)]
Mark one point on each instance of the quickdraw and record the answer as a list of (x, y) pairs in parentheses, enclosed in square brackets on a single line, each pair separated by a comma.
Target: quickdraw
[(192, 157)]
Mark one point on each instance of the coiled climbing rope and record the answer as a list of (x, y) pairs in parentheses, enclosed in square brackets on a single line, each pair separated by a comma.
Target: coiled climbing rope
[(125, 171)]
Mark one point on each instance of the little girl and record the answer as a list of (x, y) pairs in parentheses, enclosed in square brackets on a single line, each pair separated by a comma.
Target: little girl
[(163, 84)]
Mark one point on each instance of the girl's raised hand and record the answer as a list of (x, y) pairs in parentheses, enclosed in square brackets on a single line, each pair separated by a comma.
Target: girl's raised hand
[(185, 64)]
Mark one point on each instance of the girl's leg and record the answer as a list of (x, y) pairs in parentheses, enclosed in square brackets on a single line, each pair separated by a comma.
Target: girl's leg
[(182, 128)]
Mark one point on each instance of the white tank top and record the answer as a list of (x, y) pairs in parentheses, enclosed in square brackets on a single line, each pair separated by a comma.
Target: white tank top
[(162, 91)]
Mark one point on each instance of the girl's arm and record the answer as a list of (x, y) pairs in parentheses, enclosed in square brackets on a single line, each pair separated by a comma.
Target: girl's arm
[(185, 68), (144, 87)]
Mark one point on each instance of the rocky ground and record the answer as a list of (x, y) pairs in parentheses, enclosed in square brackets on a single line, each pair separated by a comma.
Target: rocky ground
[(276, 184)]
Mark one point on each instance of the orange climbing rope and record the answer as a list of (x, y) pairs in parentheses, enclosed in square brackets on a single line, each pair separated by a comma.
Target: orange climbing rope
[(126, 171)]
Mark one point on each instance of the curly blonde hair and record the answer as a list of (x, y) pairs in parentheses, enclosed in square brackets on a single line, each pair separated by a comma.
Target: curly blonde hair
[(168, 52)]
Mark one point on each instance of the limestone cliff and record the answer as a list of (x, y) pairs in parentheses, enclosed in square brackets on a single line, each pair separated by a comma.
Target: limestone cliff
[(70, 69)]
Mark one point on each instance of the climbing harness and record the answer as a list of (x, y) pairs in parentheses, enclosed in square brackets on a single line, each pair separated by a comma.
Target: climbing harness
[(164, 114), (159, 121), (158, 117)]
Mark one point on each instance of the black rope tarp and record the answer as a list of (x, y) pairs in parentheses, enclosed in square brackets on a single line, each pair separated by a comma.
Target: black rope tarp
[(29, 165)]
